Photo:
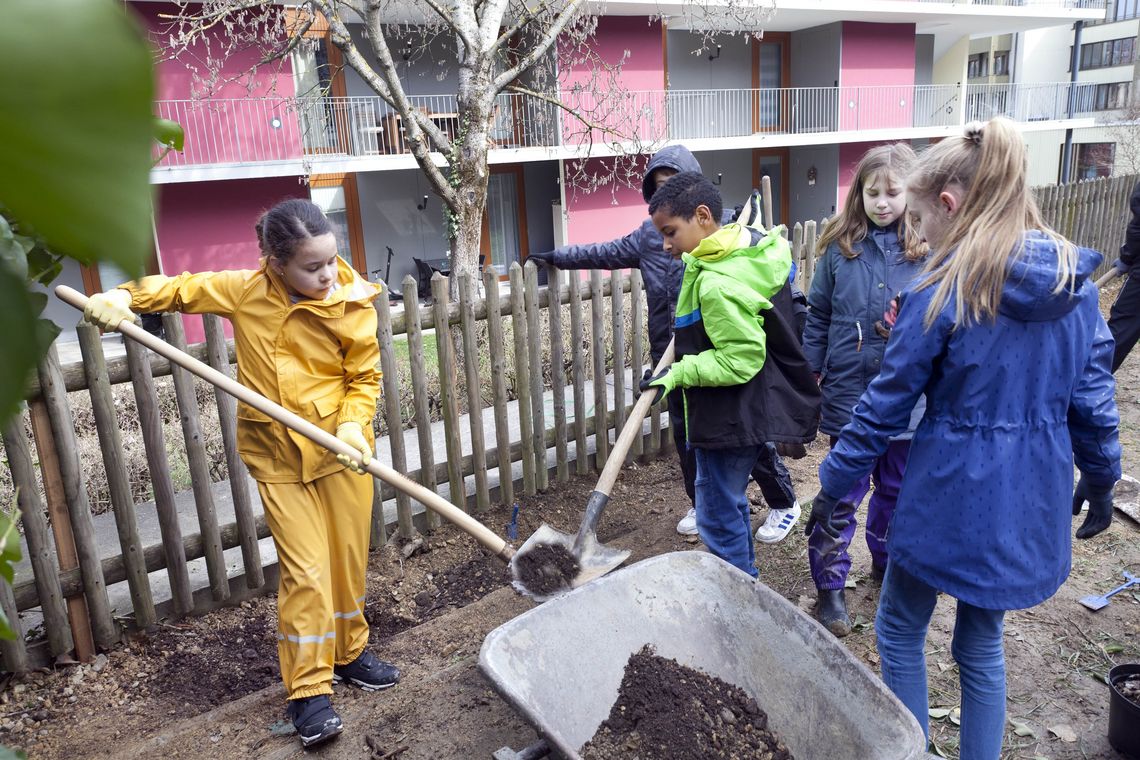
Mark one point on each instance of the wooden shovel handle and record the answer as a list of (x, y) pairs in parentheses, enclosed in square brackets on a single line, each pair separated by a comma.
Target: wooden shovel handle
[(1108, 277), (631, 430), (425, 496)]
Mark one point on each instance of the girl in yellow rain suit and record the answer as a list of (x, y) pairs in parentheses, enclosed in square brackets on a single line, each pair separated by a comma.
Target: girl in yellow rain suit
[(305, 332)]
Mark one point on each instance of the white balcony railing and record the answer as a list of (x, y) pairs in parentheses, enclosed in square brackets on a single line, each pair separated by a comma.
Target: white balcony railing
[(1076, 4), (259, 130)]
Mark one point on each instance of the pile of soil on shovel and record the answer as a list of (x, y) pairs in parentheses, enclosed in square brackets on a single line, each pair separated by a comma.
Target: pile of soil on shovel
[(666, 711), (546, 568), (1129, 688)]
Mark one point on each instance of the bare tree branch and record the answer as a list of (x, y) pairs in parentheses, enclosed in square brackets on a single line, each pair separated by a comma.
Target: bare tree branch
[(548, 38)]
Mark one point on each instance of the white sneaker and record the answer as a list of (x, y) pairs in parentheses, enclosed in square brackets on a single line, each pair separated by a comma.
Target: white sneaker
[(778, 525), (688, 524)]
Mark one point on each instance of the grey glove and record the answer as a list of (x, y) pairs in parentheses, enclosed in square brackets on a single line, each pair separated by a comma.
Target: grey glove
[(542, 258), (1100, 508)]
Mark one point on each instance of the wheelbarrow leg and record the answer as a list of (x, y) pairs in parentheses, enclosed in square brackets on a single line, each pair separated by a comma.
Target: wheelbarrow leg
[(535, 751)]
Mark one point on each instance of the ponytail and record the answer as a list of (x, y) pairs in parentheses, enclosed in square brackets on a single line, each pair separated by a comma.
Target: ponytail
[(988, 165)]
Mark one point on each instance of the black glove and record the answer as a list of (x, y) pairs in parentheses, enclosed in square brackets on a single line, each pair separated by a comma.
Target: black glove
[(542, 258), (658, 384), (822, 509), (1100, 508)]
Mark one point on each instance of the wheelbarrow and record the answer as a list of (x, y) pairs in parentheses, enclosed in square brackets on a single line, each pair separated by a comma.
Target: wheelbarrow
[(560, 664)]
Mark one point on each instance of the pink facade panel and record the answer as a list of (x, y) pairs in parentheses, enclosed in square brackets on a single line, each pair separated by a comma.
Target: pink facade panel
[(633, 106), (876, 76), (208, 226), (595, 217), (241, 121)]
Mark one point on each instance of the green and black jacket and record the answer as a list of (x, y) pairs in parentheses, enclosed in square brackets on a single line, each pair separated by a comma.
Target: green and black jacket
[(739, 364)]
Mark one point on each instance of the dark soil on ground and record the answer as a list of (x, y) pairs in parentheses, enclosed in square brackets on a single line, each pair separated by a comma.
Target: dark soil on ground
[(546, 568), (666, 711)]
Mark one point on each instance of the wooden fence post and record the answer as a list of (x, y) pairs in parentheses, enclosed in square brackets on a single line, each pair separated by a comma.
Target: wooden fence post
[(200, 483), (419, 390), (474, 396), (40, 555), (537, 386), (522, 378), (218, 357), (118, 482), (395, 422), (617, 315), (637, 347), (578, 376), (557, 372), (499, 385), (598, 349), (445, 351), (150, 421), (77, 542)]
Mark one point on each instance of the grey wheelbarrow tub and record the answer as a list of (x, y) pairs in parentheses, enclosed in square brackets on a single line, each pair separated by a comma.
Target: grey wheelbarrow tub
[(560, 664)]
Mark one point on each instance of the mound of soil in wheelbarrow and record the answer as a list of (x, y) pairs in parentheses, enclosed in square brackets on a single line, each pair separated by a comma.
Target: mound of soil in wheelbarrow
[(666, 711)]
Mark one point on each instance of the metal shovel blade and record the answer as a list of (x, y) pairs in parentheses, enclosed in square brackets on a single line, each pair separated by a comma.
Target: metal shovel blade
[(1094, 602), (542, 580)]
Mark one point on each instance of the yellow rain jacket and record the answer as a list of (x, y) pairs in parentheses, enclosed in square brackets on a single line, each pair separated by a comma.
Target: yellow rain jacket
[(318, 359)]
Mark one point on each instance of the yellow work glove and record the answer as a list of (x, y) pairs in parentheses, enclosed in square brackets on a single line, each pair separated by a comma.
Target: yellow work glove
[(353, 434), (108, 309)]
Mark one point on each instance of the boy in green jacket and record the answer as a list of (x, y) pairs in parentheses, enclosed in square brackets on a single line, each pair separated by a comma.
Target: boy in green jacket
[(739, 367)]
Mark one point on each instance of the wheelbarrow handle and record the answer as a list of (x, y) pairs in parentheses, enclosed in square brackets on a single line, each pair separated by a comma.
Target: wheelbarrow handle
[(397, 480)]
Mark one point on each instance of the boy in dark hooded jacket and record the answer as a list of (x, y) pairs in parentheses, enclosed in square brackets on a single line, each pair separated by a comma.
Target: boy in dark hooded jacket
[(740, 373), (642, 248)]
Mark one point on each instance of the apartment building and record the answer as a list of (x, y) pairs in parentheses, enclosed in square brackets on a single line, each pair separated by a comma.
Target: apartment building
[(800, 106), (1107, 58)]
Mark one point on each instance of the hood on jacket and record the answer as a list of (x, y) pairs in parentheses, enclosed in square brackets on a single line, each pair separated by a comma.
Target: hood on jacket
[(670, 157), (760, 261), (1028, 294)]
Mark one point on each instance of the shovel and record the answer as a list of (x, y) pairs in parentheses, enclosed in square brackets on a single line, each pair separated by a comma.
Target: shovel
[(427, 497), (1095, 603), (1108, 277), (550, 562)]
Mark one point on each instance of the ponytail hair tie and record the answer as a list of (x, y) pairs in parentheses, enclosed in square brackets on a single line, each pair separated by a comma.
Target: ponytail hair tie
[(974, 132)]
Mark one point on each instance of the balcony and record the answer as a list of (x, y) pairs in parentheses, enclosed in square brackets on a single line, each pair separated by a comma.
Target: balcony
[(230, 138)]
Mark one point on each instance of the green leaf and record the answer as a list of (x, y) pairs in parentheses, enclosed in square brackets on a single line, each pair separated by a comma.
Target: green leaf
[(955, 716), (938, 713), (169, 133), (76, 85), (22, 347), (1113, 648), (1022, 729), (6, 753)]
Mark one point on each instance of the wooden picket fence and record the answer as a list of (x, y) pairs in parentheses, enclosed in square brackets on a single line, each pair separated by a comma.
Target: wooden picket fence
[(71, 572)]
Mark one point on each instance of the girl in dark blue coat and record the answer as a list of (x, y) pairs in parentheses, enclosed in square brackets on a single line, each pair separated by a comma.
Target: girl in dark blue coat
[(868, 257), (1003, 333)]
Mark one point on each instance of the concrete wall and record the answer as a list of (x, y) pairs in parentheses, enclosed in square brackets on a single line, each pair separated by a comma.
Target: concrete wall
[(924, 59), (229, 134), (807, 201), (208, 226), (429, 70), (542, 191), (735, 168), (951, 69), (815, 56), (389, 217), (731, 69), (875, 56)]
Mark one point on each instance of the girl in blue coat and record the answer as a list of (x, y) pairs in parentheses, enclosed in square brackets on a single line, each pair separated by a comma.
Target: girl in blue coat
[(869, 256), (1004, 335)]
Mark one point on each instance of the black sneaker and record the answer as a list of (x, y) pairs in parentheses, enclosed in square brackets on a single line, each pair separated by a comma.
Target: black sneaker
[(368, 672), (315, 720)]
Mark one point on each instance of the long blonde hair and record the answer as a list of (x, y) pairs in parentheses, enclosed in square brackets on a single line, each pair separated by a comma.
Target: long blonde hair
[(987, 234), (849, 226)]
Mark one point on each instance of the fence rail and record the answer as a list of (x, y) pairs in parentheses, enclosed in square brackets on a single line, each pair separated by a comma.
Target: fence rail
[(260, 130), (600, 344)]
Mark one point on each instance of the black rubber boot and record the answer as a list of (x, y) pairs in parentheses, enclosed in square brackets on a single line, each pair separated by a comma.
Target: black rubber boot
[(831, 610)]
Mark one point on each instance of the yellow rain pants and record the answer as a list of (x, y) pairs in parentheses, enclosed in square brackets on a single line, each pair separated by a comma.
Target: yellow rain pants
[(321, 529)]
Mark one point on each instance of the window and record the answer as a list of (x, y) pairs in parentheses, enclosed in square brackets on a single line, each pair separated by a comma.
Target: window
[(977, 65), (1001, 63), (1099, 55), (1111, 96), (1095, 160), (1124, 9)]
